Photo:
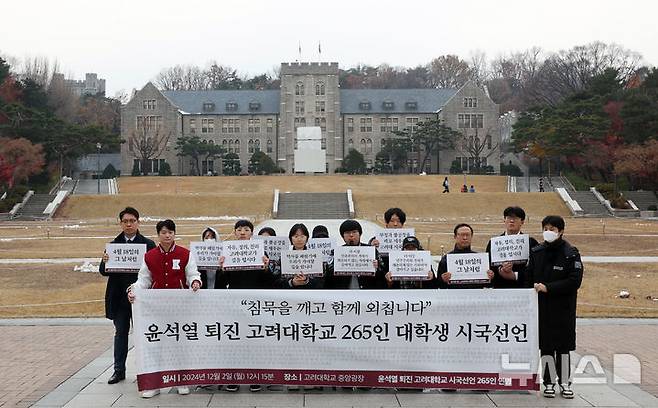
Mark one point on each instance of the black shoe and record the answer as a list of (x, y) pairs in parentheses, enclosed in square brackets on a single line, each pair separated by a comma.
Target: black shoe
[(254, 388), (116, 377)]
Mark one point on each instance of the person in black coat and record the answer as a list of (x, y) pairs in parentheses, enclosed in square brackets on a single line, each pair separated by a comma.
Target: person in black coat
[(117, 307), (298, 237), (351, 232), (509, 275), (555, 270), (463, 237)]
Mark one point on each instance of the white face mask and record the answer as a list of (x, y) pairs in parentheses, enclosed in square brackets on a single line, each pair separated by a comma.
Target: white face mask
[(550, 236), (209, 240)]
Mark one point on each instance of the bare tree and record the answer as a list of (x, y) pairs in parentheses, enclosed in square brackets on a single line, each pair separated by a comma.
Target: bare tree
[(479, 67), (448, 71), (478, 145), (147, 142), (182, 78), (39, 69)]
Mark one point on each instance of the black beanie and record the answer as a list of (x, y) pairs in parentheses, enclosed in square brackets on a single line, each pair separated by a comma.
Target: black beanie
[(350, 225), (320, 231)]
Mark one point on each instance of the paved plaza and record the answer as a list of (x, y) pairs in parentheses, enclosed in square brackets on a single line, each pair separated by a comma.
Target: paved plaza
[(66, 363)]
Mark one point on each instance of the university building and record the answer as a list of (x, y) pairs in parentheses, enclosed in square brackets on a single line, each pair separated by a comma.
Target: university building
[(245, 121)]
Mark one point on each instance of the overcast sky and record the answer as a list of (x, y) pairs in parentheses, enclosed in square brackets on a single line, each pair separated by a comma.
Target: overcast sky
[(129, 42)]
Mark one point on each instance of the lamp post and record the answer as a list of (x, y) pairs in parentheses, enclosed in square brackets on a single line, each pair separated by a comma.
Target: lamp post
[(98, 166)]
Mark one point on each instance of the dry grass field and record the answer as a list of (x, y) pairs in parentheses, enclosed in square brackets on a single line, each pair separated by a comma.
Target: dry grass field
[(86, 223)]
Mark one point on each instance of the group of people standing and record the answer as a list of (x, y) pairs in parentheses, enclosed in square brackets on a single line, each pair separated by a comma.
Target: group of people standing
[(554, 269)]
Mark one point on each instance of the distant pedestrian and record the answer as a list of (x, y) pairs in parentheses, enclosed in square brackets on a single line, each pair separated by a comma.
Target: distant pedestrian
[(464, 189), (471, 189), (446, 185)]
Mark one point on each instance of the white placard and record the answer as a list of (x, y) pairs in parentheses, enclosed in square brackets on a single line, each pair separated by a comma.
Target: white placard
[(510, 248), (124, 257), (206, 254), (274, 246), (354, 260), (390, 239), (468, 268), (308, 262), (368, 338), (244, 254), (326, 245), (409, 265)]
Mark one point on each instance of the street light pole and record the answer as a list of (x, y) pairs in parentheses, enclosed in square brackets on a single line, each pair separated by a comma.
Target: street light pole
[(98, 166)]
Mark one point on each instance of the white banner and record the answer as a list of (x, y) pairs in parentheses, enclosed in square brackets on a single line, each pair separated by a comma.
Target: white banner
[(371, 338), (405, 265), (468, 268), (124, 257), (390, 239), (308, 262), (206, 254), (246, 254), (510, 248), (327, 245), (354, 260)]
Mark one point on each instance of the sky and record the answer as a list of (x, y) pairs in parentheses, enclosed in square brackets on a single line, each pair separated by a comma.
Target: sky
[(129, 42)]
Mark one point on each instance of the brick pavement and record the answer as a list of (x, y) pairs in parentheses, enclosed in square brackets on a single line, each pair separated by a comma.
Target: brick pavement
[(34, 360), (640, 340)]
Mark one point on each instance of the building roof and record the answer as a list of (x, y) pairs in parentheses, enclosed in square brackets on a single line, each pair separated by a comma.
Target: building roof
[(427, 100), (351, 101), (193, 101)]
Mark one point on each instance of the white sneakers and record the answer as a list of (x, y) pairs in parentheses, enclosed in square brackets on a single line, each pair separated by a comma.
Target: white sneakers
[(153, 393), (150, 393)]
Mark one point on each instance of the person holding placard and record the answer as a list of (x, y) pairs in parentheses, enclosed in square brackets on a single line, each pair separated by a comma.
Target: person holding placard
[(167, 266), (298, 237), (555, 270), (208, 275), (463, 234), (508, 274), (260, 278), (412, 244), (394, 218), (274, 265), (117, 307), (351, 232)]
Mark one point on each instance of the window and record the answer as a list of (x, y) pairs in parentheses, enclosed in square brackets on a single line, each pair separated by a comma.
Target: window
[(319, 88), (488, 141), (319, 106), (368, 146), (299, 88), (350, 124), (364, 105), (362, 146), (412, 124), (254, 125), (207, 125), (149, 123), (470, 102), (250, 146), (231, 106), (270, 125), (236, 125), (257, 145), (254, 106), (192, 125), (269, 145), (366, 125), (323, 124), (388, 124), (388, 105), (300, 122), (224, 125), (237, 146), (208, 107), (207, 166), (412, 105), (149, 104), (299, 107), (350, 144), (230, 146), (470, 121)]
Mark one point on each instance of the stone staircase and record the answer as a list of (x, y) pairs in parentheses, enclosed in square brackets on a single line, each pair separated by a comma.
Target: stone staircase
[(589, 203), (33, 209), (642, 199), (301, 206)]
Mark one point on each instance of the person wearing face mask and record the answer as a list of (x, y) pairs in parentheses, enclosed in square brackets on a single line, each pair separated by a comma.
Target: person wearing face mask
[(509, 275), (208, 275), (555, 271)]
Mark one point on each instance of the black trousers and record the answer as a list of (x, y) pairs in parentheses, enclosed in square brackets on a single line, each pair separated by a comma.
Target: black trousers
[(121, 329), (556, 362)]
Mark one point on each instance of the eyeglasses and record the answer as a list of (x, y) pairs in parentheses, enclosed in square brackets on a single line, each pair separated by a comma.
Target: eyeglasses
[(130, 221)]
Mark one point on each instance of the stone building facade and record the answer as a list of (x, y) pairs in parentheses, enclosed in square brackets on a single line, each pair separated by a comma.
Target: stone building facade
[(245, 121)]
